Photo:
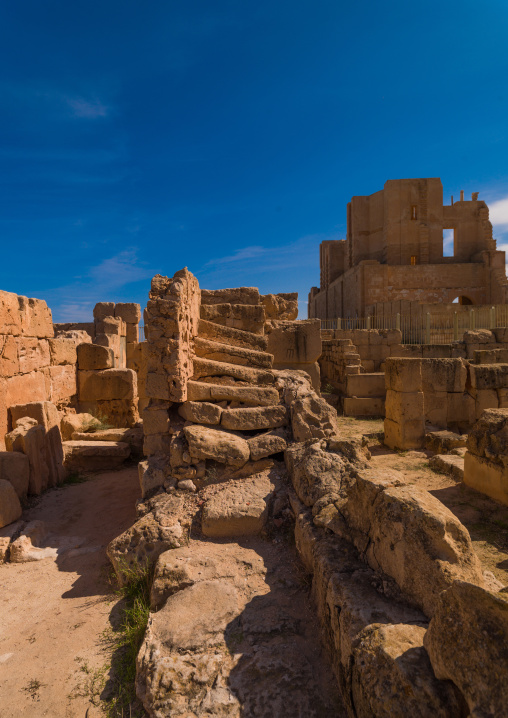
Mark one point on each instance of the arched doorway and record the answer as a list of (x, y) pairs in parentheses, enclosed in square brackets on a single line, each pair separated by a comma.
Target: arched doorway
[(463, 300)]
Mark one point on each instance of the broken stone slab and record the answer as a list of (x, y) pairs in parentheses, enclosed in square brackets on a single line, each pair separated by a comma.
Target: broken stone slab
[(153, 474), (466, 642), (163, 526), (133, 437), (7, 534), (248, 395), (94, 357), (448, 464), (232, 337), (280, 306), (312, 417), (206, 367), (29, 438), (76, 422), (10, 507), (15, 468), (200, 412), (238, 316), (239, 509), (221, 446), (26, 548), (392, 676), (95, 455), (215, 351), (47, 415), (265, 445), (441, 442), (236, 295), (255, 418)]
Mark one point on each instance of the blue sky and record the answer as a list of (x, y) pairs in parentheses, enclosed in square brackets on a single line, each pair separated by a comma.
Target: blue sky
[(226, 136)]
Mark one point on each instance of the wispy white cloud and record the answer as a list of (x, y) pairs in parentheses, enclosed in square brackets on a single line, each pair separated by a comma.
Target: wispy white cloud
[(75, 301), (498, 214), (89, 109)]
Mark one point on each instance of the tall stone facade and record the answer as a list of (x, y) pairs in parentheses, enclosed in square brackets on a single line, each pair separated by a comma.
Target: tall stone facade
[(394, 252)]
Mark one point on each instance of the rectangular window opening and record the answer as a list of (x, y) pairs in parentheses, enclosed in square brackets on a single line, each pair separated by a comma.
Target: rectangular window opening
[(448, 242), (413, 259)]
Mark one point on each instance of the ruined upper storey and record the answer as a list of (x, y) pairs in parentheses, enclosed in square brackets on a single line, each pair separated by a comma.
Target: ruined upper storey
[(407, 224)]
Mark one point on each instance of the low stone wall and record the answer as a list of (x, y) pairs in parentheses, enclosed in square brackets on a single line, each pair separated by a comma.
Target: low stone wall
[(34, 364), (486, 459), (369, 542)]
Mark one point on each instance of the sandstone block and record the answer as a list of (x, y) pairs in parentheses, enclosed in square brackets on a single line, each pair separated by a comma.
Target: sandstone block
[(200, 412), (157, 386), (489, 436), (436, 408), (363, 385), (33, 354), (238, 316), (249, 395), (76, 422), (368, 406), (152, 474), (10, 507), (110, 326), (489, 376), (232, 337), (484, 399), (265, 445), (107, 384), (15, 468), (312, 417), (205, 443), (280, 306), (215, 351), (247, 419), (208, 368), (392, 675), (478, 336), (486, 476), (129, 312), (162, 526), (156, 419), (35, 318), (466, 642), (103, 310), (442, 442), (94, 455), (30, 438), (240, 509), (62, 351), (92, 357), (10, 319), (444, 375), (62, 382), (408, 435), (9, 362), (237, 295), (296, 342), (156, 444), (404, 375)]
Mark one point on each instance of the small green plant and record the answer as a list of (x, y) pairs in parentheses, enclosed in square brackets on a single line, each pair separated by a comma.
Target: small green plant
[(329, 388), (126, 640), (99, 422), (75, 477), (32, 688)]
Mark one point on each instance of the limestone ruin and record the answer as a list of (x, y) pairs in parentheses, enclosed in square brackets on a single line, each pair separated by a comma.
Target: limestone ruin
[(232, 410)]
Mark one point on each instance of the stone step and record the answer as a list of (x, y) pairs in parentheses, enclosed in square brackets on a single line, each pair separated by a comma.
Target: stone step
[(218, 351), (441, 442), (448, 464), (232, 337), (249, 395), (206, 443), (255, 418), (239, 509), (236, 295), (206, 367), (133, 437), (95, 455), (238, 316)]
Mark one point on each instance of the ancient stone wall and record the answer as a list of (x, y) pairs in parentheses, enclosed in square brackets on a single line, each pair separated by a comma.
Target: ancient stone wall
[(34, 364)]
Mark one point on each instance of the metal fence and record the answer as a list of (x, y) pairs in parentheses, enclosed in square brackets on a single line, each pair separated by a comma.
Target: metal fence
[(427, 328)]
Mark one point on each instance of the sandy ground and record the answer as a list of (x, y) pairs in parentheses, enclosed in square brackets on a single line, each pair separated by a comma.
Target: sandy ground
[(52, 613)]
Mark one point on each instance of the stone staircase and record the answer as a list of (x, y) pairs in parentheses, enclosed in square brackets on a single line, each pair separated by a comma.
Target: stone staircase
[(234, 418)]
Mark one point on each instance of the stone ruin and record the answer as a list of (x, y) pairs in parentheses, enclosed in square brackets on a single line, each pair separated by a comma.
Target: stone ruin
[(234, 433)]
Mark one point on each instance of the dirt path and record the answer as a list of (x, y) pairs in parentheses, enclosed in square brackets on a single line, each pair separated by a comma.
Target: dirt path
[(53, 612)]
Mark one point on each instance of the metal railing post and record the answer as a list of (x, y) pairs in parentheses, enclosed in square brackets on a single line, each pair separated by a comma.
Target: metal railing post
[(368, 322), (492, 318), (397, 322), (427, 328)]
